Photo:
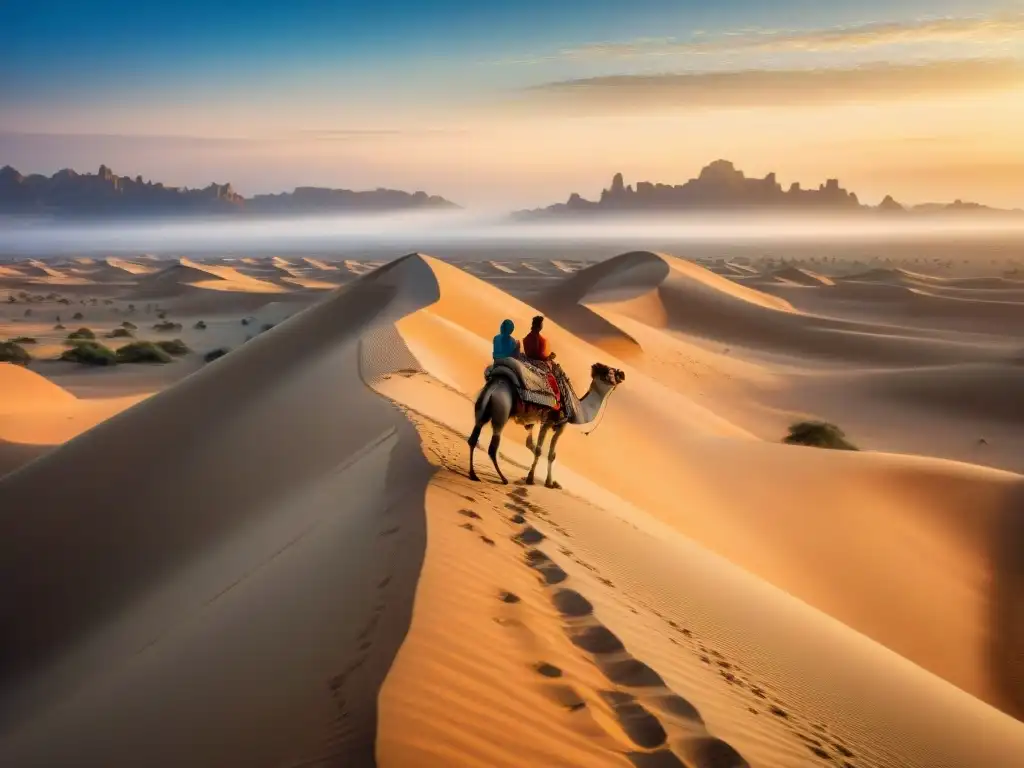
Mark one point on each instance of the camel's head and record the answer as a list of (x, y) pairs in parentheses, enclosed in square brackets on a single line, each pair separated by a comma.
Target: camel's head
[(607, 375)]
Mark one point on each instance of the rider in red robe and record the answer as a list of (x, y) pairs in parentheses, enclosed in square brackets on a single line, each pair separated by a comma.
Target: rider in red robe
[(537, 350)]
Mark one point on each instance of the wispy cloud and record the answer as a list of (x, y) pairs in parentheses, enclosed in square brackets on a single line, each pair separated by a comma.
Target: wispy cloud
[(795, 87), (977, 29), (371, 133)]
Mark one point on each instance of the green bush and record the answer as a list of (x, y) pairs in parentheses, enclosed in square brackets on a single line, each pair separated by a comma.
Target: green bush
[(142, 352), (200, 326), (23, 340), (214, 354), (818, 434), (120, 333), (10, 352), (166, 326), (175, 347), (90, 353), (82, 334)]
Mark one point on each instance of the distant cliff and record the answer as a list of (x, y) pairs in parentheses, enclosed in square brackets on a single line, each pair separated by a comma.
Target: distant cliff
[(104, 193), (722, 187)]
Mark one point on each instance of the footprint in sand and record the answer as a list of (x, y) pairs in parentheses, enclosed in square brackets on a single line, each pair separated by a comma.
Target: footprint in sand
[(547, 670), (572, 604), (469, 513), (596, 639), (508, 597), (546, 567), (487, 541), (642, 728), (529, 535), (663, 758), (709, 752)]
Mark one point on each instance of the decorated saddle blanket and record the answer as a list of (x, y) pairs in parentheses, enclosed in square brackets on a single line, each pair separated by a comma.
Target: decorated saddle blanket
[(531, 381), (537, 385)]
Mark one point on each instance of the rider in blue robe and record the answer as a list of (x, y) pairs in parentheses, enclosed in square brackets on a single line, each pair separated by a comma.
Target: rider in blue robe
[(504, 344)]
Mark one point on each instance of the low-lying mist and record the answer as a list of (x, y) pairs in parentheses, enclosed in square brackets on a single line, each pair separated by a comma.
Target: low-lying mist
[(402, 232)]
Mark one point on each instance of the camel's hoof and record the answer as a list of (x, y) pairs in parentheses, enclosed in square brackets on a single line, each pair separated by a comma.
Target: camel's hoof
[(528, 480), (504, 481), (553, 484), (473, 477)]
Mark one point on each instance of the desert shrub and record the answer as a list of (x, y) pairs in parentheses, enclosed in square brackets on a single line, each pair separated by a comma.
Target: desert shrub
[(78, 316), (142, 352), (10, 352), (129, 325), (175, 347), (213, 354), (89, 353), (58, 327), (81, 334), (818, 434), (23, 340), (63, 300), (165, 326), (200, 326), (120, 333)]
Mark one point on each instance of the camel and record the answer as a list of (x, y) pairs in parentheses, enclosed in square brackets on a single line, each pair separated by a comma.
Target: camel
[(496, 405)]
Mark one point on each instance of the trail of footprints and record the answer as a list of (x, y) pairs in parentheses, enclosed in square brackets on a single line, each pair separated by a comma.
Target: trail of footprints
[(666, 730), (647, 713)]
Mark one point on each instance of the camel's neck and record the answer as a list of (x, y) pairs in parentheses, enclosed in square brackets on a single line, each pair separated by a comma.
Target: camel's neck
[(590, 403)]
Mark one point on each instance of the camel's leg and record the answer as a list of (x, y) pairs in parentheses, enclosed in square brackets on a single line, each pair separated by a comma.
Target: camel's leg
[(537, 448), (474, 438), (492, 451), (551, 482), (529, 437)]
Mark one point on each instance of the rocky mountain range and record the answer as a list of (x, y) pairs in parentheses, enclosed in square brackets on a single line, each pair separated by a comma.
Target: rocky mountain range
[(722, 187), (104, 193)]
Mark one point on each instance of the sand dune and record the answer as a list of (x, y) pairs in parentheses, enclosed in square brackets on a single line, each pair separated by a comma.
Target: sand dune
[(24, 389), (320, 264), (187, 275), (694, 596), (668, 293), (798, 276), (131, 267)]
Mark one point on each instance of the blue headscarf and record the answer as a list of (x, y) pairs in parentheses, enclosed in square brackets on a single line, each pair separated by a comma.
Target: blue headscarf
[(504, 344)]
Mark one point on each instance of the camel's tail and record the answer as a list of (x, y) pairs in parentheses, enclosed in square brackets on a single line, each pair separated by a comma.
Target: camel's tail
[(483, 400)]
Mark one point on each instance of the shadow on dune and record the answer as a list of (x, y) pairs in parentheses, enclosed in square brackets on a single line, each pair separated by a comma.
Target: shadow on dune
[(224, 573), (1007, 624), (15, 455)]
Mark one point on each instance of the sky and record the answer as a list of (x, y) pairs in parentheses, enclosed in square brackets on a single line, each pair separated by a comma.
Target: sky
[(517, 104)]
